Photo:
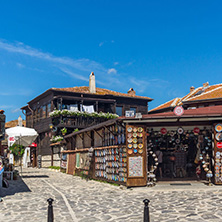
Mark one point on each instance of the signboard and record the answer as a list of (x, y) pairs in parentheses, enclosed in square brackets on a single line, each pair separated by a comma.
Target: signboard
[(136, 166), (130, 113), (178, 111), (163, 131)]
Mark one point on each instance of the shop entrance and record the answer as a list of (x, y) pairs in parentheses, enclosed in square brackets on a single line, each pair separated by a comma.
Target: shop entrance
[(182, 153)]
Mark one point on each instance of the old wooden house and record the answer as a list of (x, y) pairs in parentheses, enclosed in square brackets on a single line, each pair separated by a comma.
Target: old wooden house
[(58, 110)]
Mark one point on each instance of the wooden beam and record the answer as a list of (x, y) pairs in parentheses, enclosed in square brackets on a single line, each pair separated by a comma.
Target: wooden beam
[(88, 135), (98, 134)]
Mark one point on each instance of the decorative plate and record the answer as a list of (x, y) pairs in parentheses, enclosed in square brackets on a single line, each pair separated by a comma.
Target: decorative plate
[(140, 145), (134, 130), (129, 135), (130, 151), (140, 129), (130, 146), (218, 136), (218, 128), (140, 140), (135, 145), (140, 151), (130, 140), (140, 135), (135, 150), (134, 140), (134, 134), (129, 129)]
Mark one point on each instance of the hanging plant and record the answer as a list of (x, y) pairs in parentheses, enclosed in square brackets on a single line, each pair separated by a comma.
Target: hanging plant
[(66, 112), (64, 131), (17, 150)]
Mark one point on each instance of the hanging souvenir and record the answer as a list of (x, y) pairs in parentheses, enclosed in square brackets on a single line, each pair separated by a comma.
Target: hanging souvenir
[(180, 130), (140, 151), (134, 130), (130, 145), (129, 135), (130, 151), (129, 129), (135, 145), (140, 146), (135, 150), (218, 136), (218, 128), (140, 135), (134, 134), (130, 140), (123, 138), (140, 129), (134, 140)]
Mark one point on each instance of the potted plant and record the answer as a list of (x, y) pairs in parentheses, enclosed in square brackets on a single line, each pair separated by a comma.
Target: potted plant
[(64, 131)]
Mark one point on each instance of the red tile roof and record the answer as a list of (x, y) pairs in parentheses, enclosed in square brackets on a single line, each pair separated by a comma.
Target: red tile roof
[(201, 93), (171, 103), (99, 91), (211, 110)]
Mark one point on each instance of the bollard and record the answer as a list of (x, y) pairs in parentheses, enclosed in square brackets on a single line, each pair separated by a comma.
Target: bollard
[(50, 210), (146, 217)]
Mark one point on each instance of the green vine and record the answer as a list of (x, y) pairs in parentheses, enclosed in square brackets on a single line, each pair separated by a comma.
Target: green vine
[(17, 150)]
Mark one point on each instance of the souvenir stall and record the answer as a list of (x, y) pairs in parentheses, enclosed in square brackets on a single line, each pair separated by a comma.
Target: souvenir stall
[(124, 151)]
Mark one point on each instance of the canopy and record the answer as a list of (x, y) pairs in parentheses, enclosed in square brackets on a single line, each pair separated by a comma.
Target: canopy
[(21, 135)]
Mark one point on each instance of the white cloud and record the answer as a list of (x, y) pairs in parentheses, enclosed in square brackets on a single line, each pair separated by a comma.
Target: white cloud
[(75, 75), (116, 63), (16, 110), (83, 64), (19, 65), (101, 44), (112, 70), (6, 106)]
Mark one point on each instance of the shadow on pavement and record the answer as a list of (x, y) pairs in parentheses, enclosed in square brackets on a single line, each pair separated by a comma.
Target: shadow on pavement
[(36, 176), (15, 186)]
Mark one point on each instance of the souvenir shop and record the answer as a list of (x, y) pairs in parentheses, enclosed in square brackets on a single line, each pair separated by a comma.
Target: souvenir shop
[(140, 152)]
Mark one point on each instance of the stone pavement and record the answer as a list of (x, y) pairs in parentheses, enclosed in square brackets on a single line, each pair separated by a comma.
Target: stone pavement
[(89, 201)]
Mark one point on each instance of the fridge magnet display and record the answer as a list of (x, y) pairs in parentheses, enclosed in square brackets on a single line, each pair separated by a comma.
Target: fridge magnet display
[(218, 136)]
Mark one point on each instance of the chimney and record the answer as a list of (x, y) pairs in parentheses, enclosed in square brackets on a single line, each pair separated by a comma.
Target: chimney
[(205, 84), (131, 92), (192, 88), (92, 83)]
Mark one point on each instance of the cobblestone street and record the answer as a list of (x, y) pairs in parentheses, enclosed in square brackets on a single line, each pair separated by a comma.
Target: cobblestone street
[(88, 201)]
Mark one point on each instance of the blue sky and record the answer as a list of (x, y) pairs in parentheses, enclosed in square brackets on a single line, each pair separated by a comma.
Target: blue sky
[(160, 48)]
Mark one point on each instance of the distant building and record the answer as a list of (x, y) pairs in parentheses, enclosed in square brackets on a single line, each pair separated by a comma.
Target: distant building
[(76, 99), (203, 96), (2, 131)]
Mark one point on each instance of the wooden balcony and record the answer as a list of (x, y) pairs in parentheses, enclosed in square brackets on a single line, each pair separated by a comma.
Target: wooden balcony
[(76, 122)]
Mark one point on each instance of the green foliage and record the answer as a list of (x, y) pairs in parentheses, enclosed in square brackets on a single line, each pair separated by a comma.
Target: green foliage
[(55, 139), (55, 167), (17, 150), (76, 130), (64, 131), (66, 112)]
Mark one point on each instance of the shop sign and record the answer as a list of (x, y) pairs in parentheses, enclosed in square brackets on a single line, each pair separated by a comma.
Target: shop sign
[(218, 128), (163, 131), (178, 111), (219, 145), (196, 130)]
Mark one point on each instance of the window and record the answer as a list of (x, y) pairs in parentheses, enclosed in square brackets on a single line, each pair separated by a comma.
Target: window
[(133, 109), (119, 110), (44, 111), (48, 109)]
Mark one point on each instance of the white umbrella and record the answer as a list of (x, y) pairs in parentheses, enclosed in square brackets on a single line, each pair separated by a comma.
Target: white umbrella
[(22, 135)]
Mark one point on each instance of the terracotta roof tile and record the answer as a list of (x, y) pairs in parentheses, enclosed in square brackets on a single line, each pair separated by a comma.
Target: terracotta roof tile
[(14, 123), (99, 91), (171, 103), (200, 93)]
